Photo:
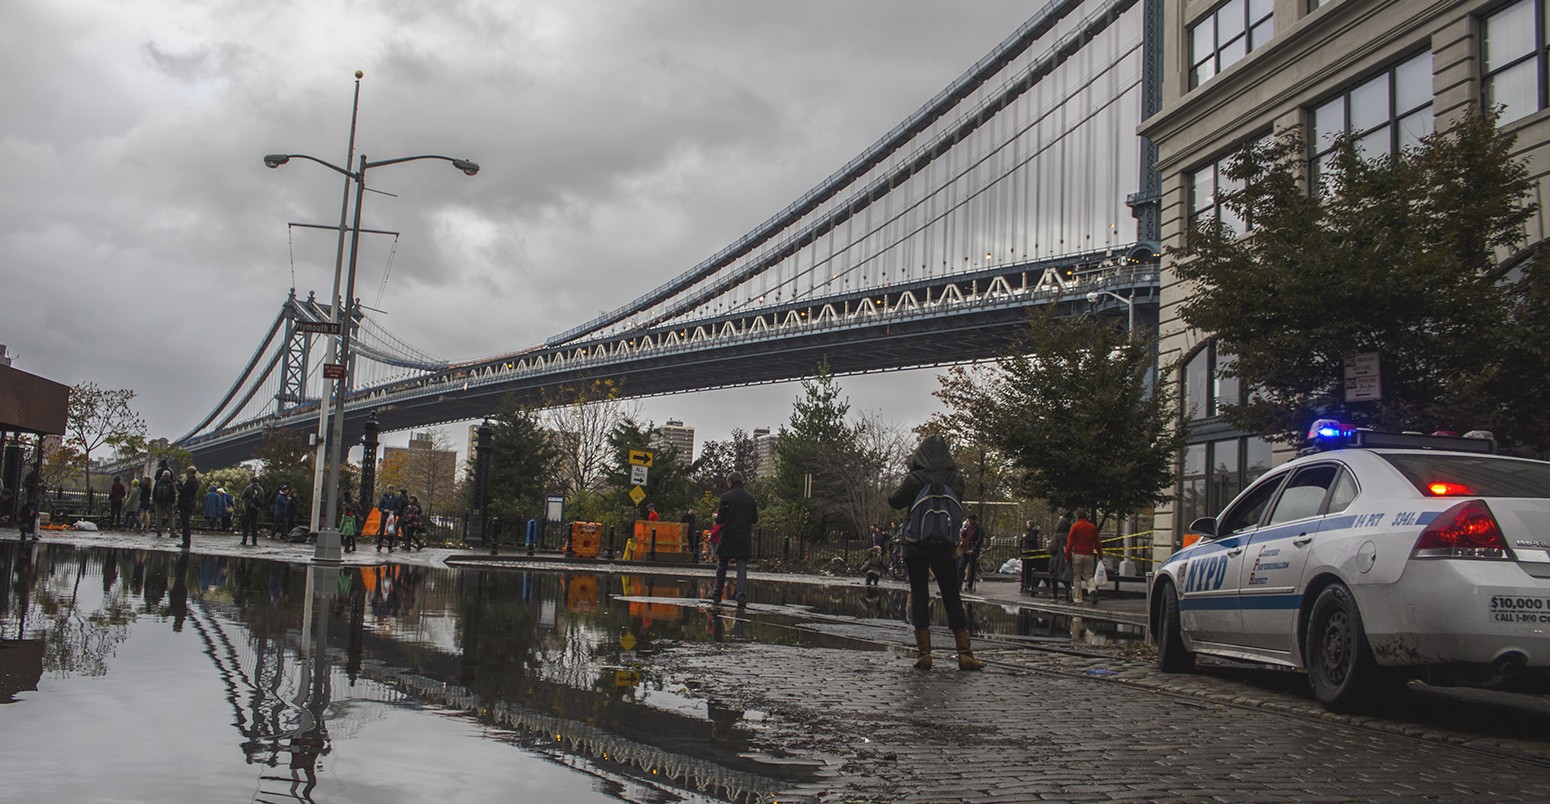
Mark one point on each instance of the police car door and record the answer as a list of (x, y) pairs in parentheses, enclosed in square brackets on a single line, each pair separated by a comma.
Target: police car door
[(1278, 552), (1208, 591)]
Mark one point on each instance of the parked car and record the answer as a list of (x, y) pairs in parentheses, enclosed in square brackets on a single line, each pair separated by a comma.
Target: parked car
[(1371, 559)]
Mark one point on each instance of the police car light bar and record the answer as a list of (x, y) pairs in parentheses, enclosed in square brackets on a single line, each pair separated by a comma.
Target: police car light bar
[(1331, 434)]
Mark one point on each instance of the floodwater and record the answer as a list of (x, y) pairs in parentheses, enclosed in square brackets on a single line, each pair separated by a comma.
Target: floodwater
[(129, 674)]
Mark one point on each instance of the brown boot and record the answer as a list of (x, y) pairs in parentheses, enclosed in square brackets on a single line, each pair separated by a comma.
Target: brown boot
[(923, 649), (966, 660)]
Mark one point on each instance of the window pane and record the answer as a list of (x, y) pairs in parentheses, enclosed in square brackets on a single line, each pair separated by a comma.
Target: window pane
[(1414, 127), (1256, 459), (1370, 104), (1516, 88), (1202, 41), (1196, 380), (1202, 190), (1260, 9), (1509, 35), (1375, 144), (1233, 51), (1328, 121), (1261, 34), (1413, 84), (1195, 460), (1231, 20), (1204, 71), (1304, 496), (1247, 512), (1343, 495), (1226, 387)]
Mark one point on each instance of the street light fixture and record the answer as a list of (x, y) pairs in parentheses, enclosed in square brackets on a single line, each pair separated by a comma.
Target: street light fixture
[(328, 537), (1130, 307)]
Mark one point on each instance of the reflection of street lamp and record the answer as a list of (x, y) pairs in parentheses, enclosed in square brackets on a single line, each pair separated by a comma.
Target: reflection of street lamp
[(1130, 307), (328, 537)]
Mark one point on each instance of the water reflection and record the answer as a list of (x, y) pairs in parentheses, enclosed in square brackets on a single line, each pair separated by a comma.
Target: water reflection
[(349, 683)]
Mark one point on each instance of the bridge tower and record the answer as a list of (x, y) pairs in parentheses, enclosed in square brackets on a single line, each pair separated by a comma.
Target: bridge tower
[(293, 359)]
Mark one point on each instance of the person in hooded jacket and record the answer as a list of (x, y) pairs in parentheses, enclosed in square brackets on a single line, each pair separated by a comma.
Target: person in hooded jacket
[(933, 462)]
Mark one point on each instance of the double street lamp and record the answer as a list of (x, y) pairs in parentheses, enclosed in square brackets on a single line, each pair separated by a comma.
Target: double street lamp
[(327, 549)]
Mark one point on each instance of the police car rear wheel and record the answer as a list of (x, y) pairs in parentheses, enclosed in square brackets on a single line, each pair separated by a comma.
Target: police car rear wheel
[(1172, 657), (1341, 669)]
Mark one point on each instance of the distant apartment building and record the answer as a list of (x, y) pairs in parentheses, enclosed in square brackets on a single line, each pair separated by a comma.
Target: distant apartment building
[(677, 435), (763, 452), (426, 470)]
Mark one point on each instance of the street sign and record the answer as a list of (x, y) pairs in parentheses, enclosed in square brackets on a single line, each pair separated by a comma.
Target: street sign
[(640, 457), (1363, 377), (333, 371), (637, 494), (318, 327), (638, 475)]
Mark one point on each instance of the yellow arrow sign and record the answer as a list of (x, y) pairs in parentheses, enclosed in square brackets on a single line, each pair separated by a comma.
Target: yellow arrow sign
[(640, 457)]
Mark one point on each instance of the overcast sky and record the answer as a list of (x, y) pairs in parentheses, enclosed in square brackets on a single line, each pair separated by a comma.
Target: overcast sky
[(144, 245)]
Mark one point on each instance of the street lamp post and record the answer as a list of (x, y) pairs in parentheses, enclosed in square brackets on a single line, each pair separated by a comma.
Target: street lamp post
[(1130, 307), (328, 537)]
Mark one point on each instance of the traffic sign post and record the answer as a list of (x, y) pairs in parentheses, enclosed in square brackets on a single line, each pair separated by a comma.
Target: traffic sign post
[(638, 475), (333, 371), (318, 327)]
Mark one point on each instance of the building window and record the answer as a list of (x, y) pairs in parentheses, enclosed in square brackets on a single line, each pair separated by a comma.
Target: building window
[(1209, 189), (1206, 391), (1516, 59), (1388, 112), (1213, 472), (1228, 34)]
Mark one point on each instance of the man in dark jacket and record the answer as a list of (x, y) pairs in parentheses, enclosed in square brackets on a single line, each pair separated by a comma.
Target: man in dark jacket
[(692, 535), (933, 463), (116, 502), (188, 492), (736, 512), (252, 501)]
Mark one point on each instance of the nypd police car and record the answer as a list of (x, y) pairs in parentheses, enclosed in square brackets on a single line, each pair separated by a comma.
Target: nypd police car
[(1375, 558)]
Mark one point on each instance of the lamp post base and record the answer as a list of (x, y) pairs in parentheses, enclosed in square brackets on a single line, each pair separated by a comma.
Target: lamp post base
[(327, 548)]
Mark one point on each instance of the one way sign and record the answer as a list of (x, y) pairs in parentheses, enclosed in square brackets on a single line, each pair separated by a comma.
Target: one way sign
[(640, 457)]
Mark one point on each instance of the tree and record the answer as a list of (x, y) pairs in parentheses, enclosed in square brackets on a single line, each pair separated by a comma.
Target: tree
[(285, 460), (428, 468), (1412, 256), (523, 463), (583, 417), (1069, 407), (867, 473), (720, 458), (809, 447), (98, 418), (667, 485)]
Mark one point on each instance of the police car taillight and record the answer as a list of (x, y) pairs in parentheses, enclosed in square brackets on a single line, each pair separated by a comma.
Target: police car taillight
[(1443, 488), (1467, 530)]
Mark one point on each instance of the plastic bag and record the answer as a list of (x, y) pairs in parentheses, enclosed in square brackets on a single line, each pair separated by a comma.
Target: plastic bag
[(1100, 576)]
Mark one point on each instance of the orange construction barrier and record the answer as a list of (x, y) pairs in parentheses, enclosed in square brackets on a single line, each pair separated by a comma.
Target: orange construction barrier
[(670, 537), (585, 538)]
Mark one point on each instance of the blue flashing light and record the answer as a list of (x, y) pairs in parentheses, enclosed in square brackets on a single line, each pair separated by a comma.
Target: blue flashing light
[(1325, 431)]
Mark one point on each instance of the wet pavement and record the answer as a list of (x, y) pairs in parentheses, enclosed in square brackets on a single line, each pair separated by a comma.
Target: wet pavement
[(132, 671)]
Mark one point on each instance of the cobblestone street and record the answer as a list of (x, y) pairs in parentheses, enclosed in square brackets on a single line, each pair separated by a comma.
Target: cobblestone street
[(1042, 725)]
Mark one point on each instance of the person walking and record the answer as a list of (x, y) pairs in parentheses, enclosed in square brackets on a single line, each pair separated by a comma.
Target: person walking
[(188, 492), (411, 525), (971, 545), (1084, 550), (933, 491), (736, 512), (165, 495), (1033, 545), (131, 520), (252, 501), (282, 513), (692, 535), (1059, 564), (215, 506), (146, 498), (228, 506), (116, 502), (349, 525)]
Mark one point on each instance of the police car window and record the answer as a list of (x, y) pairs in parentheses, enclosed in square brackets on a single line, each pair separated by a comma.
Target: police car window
[(1343, 494), (1246, 513), (1304, 495), (1483, 475)]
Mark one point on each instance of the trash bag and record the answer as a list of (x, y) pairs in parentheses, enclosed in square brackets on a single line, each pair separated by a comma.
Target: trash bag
[(86, 524), (1011, 567), (298, 535)]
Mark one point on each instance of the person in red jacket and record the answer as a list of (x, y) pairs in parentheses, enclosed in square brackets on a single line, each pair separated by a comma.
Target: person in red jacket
[(1083, 550)]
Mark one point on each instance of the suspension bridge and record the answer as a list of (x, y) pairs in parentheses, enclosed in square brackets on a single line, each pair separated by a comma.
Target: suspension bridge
[(1022, 185)]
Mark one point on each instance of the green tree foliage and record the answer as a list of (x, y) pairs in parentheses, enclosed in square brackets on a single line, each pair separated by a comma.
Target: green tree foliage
[(284, 459), (1070, 409), (100, 418), (523, 463), (1400, 255), (721, 458), (667, 484), (814, 443)]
